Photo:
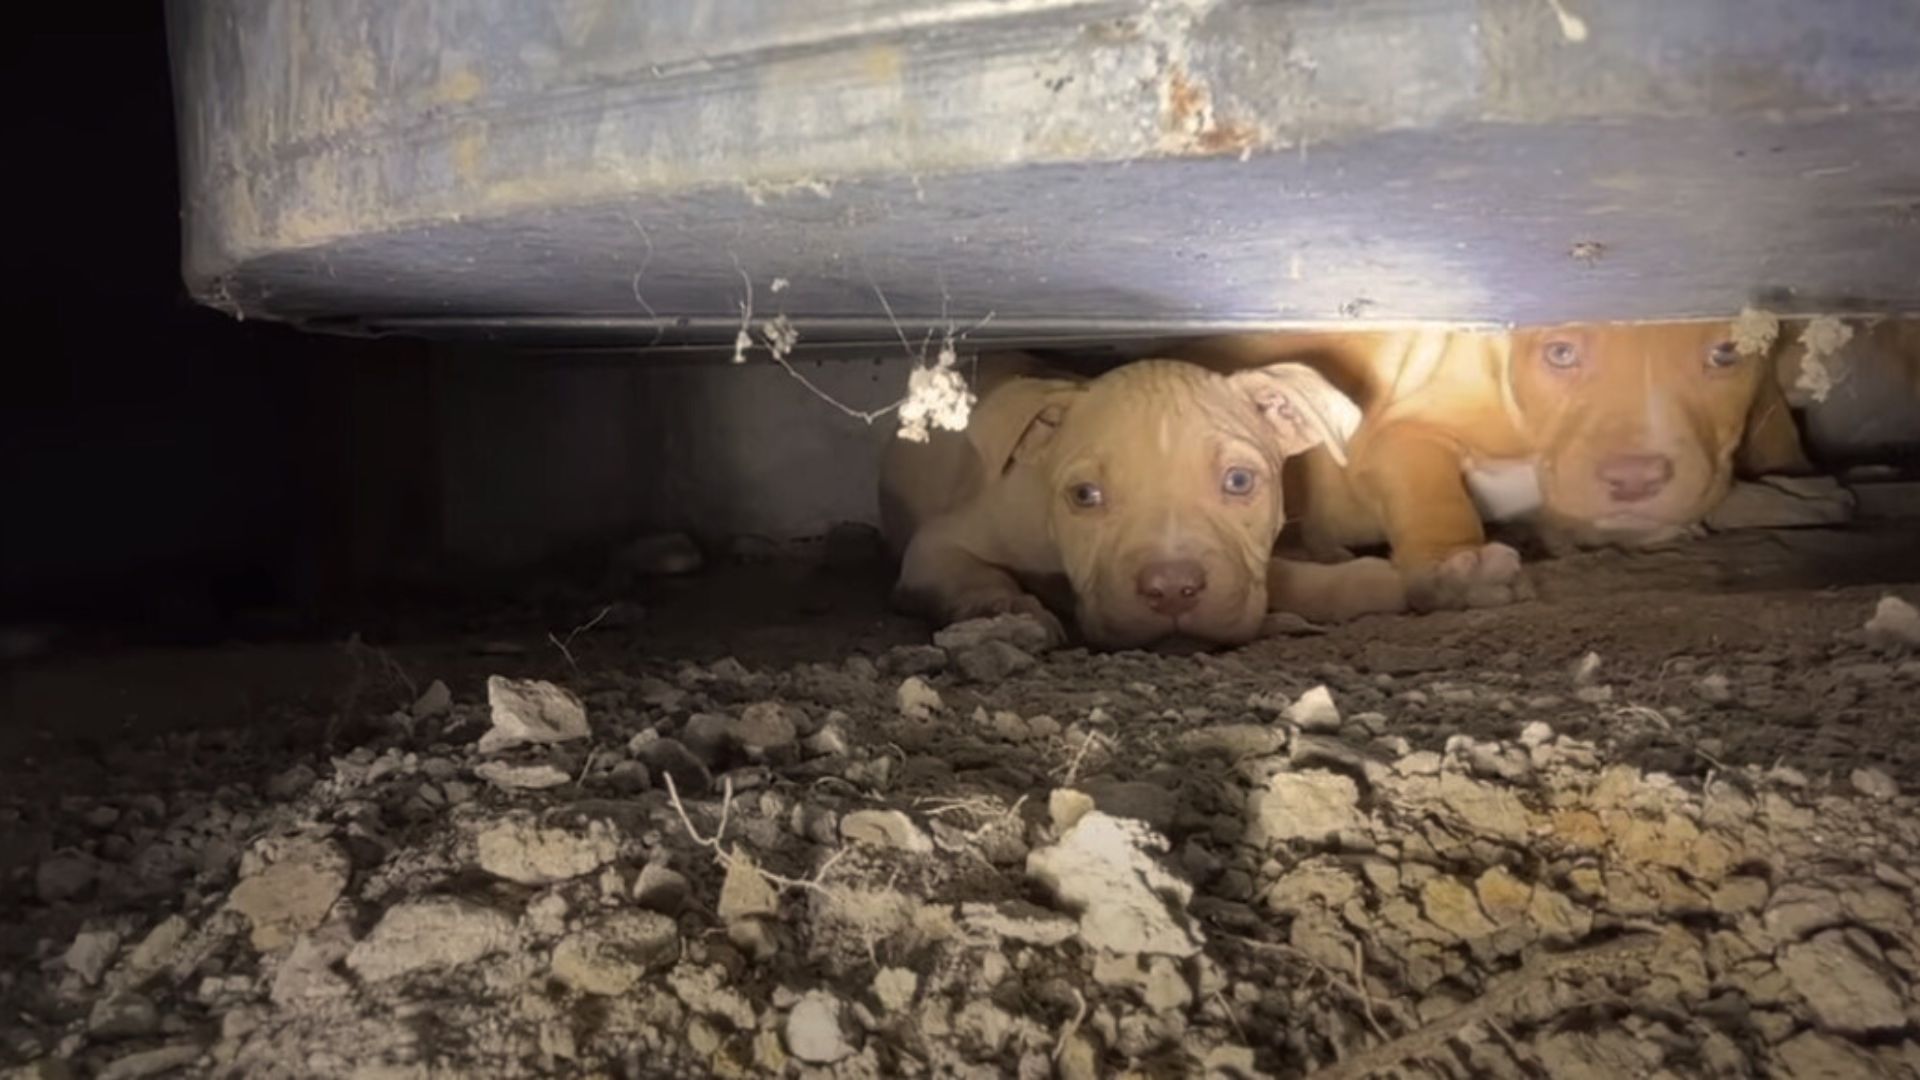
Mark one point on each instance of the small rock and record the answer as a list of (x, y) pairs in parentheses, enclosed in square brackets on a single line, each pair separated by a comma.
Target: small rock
[(1586, 669), (508, 777), (707, 737), (1065, 807), (123, 1016), (531, 711), (661, 888), (612, 956), (813, 1030), (1846, 995), (1895, 624), (1017, 921), (291, 784), (764, 727), (436, 701), (1315, 711), (1536, 733), (518, 850), (90, 954), (1024, 632), (144, 1063), (294, 883), (438, 933), (744, 894), (991, 661), (1714, 689), (1313, 805), (905, 660), (1874, 784), (885, 829), (917, 700), (671, 758), (894, 988), (64, 875), (829, 741), (1233, 741), (1104, 868)]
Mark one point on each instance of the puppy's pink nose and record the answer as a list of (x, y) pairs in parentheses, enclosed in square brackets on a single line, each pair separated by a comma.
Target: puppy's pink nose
[(1172, 587), (1634, 477)]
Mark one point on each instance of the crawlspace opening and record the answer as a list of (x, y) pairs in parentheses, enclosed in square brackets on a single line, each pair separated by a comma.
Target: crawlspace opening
[(577, 733)]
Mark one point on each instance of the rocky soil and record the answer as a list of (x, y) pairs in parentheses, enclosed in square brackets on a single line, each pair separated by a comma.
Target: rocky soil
[(1660, 830)]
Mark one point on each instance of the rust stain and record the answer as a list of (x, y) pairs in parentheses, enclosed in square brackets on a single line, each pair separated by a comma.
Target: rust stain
[(1189, 122)]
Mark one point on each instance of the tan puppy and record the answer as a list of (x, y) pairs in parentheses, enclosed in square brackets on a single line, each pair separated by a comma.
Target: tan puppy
[(1144, 504), (1608, 433)]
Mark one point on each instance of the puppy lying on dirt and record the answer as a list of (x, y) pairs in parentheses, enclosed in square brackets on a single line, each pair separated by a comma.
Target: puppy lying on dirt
[(1608, 433), (1143, 503)]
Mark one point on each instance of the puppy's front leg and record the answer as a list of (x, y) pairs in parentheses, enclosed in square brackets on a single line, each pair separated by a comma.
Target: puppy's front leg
[(1335, 592), (1417, 481), (940, 580)]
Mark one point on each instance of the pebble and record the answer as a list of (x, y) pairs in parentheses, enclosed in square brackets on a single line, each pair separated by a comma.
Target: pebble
[(661, 888), (144, 1063), (1106, 869), (1895, 624), (516, 849), (288, 886), (1874, 783), (763, 727), (123, 1016), (1024, 633), (991, 661), (612, 956), (1714, 689), (508, 777), (436, 700), (438, 933), (531, 711), (1315, 711), (885, 829), (917, 700), (1846, 995), (90, 954), (813, 1030)]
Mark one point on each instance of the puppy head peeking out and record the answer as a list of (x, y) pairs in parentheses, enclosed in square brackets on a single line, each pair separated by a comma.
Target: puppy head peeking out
[(1161, 483), (1641, 426)]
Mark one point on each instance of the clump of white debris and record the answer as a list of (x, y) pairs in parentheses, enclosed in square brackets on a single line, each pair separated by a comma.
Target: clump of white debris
[(1820, 367), (1755, 331), (937, 397)]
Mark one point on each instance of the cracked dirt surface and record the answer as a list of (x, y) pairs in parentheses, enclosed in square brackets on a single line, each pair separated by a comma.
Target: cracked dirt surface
[(1660, 822)]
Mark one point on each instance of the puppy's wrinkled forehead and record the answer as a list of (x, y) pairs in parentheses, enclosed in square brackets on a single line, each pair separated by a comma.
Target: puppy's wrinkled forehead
[(1159, 404)]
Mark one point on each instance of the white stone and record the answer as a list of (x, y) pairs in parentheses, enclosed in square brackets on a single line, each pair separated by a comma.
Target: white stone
[(1312, 805), (1315, 711), (1105, 869), (436, 933), (917, 700), (531, 711), (814, 1034), (518, 850), (887, 829)]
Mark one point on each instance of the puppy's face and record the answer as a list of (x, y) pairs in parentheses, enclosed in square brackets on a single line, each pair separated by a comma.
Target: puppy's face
[(1163, 488), (1637, 425)]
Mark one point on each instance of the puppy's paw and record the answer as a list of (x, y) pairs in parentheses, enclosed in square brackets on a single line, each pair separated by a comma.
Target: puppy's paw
[(987, 605), (1486, 576)]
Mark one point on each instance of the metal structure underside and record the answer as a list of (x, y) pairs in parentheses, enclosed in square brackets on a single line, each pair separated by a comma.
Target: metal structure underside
[(594, 173)]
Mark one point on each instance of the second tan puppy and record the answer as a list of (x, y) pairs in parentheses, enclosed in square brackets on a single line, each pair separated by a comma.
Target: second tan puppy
[(1624, 433), (1141, 504)]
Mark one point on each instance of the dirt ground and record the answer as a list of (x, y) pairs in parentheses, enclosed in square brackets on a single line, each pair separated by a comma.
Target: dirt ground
[(1659, 822)]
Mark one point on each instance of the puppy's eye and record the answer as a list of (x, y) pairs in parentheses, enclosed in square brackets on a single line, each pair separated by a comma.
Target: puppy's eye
[(1561, 354), (1723, 355), (1239, 481), (1086, 496)]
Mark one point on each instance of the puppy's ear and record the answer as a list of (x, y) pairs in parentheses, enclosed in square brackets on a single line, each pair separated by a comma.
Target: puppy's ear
[(1771, 441), (1302, 409), (1018, 422)]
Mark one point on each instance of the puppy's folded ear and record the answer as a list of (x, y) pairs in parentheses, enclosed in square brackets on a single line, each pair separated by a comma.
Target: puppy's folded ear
[(1018, 422), (1770, 443), (1302, 409)]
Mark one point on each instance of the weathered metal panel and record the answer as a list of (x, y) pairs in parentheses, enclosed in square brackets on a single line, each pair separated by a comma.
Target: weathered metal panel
[(585, 170)]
